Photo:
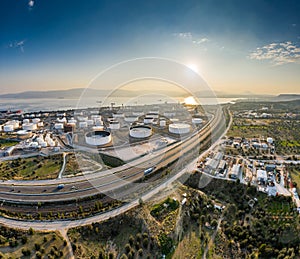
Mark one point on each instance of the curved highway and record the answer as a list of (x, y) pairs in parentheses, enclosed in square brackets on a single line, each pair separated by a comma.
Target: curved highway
[(101, 182)]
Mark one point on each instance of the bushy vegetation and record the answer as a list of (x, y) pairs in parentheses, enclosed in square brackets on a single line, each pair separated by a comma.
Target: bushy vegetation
[(20, 243), (160, 210), (31, 168), (269, 229)]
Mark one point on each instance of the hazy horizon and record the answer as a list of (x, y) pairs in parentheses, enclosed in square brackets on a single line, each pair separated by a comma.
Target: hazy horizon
[(235, 46)]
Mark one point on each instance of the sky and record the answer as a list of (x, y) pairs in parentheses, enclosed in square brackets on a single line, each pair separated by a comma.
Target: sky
[(236, 46)]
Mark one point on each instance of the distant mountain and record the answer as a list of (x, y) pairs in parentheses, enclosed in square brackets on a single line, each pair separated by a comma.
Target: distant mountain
[(90, 92), (286, 97), (78, 92), (63, 94)]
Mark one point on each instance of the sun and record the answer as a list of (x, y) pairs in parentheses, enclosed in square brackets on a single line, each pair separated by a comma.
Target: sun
[(190, 101), (193, 67)]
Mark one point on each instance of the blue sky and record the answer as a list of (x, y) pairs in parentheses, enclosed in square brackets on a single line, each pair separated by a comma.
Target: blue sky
[(237, 46)]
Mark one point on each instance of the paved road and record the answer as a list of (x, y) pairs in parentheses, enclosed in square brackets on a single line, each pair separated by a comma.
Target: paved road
[(23, 191), (62, 225)]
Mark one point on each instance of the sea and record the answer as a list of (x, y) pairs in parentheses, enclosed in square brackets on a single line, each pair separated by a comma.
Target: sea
[(54, 104)]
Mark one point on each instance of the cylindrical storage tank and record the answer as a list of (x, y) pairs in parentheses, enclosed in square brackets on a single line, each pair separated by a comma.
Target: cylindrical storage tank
[(29, 126), (72, 121), (98, 138), (36, 120), (131, 119), (90, 122), (140, 131), (34, 144), (270, 140), (43, 144), (118, 115), (162, 123), (8, 128), (96, 117), (16, 124), (169, 114), (98, 122), (63, 120), (82, 118), (59, 126), (153, 115), (83, 124), (24, 134), (148, 120), (138, 113), (197, 120), (114, 124), (97, 128), (179, 128)]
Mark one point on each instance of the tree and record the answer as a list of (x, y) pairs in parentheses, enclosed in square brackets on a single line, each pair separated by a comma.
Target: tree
[(31, 231), (140, 252), (127, 248)]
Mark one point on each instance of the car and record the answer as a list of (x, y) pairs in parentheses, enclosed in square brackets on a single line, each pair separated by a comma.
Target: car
[(60, 186)]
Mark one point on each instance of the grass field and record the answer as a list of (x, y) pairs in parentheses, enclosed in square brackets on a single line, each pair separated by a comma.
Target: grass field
[(7, 143), (31, 168)]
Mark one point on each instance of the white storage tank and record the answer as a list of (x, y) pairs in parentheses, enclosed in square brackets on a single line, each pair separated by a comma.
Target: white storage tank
[(162, 123), (270, 140), (97, 128), (62, 120), (196, 120), (154, 115), (36, 120), (96, 117), (138, 113), (24, 134), (140, 131), (90, 122), (98, 138), (114, 124), (98, 122), (131, 118), (169, 114), (59, 126), (29, 126), (82, 118), (118, 115), (179, 128), (8, 128), (40, 124), (83, 124), (72, 121), (148, 120)]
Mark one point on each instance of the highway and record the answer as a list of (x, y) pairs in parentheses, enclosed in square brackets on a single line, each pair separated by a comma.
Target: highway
[(102, 182), (62, 225)]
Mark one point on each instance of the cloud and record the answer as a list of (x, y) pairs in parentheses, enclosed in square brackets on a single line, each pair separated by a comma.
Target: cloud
[(17, 44), (190, 37), (278, 53), (31, 3)]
